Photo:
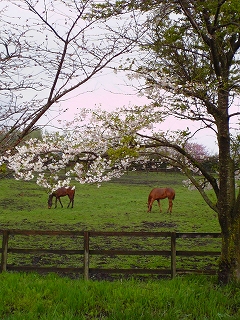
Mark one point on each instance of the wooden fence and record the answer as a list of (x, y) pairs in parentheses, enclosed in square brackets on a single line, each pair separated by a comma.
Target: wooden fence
[(87, 252)]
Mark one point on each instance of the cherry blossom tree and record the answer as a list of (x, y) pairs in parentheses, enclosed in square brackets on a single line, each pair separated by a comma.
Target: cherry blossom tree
[(80, 152), (48, 50)]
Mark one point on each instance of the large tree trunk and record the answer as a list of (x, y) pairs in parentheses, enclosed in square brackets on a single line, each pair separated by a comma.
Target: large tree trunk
[(229, 266), (228, 210)]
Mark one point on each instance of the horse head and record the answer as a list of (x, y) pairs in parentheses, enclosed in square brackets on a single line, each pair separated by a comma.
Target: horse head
[(50, 201)]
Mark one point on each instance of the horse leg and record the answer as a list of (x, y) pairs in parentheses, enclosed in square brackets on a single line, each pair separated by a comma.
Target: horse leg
[(69, 204), (56, 202), (60, 202), (159, 204), (170, 205), (71, 200)]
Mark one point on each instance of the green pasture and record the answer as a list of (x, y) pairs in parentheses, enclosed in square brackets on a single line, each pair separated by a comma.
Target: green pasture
[(119, 205), (115, 206)]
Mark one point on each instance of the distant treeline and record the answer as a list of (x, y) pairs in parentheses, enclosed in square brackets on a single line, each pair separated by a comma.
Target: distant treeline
[(154, 165)]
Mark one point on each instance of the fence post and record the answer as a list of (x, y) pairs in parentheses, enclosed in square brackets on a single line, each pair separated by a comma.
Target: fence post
[(173, 254), (4, 250), (86, 255)]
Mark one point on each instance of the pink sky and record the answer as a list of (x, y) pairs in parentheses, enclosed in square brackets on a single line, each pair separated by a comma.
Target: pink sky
[(112, 91)]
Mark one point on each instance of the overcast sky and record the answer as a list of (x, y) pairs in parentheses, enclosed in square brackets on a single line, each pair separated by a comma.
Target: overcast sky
[(111, 91)]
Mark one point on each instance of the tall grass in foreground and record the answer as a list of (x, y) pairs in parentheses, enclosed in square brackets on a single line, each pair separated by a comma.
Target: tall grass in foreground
[(30, 296)]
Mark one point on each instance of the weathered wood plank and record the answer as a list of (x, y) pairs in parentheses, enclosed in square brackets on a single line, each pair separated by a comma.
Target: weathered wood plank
[(198, 235), (45, 269), (44, 232), (173, 255), (197, 253), (129, 234), (4, 250), (130, 252), (86, 255), (53, 251), (130, 271)]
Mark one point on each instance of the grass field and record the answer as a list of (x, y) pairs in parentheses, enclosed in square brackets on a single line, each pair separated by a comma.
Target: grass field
[(116, 206), (30, 297)]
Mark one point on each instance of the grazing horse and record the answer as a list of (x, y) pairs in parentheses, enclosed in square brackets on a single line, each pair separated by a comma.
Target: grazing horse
[(161, 193), (61, 192)]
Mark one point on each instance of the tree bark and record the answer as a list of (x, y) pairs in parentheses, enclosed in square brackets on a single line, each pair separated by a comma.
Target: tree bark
[(229, 265)]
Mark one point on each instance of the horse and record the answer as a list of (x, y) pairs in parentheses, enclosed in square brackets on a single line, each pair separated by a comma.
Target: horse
[(161, 193), (62, 192)]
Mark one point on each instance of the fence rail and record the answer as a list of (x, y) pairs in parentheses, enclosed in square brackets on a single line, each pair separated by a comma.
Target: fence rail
[(87, 252)]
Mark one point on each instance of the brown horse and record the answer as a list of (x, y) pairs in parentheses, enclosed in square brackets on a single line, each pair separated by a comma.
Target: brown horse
[(161, 193), (61, 192)]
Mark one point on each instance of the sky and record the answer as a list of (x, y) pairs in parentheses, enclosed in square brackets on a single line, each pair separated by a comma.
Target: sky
[(112, 91)]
